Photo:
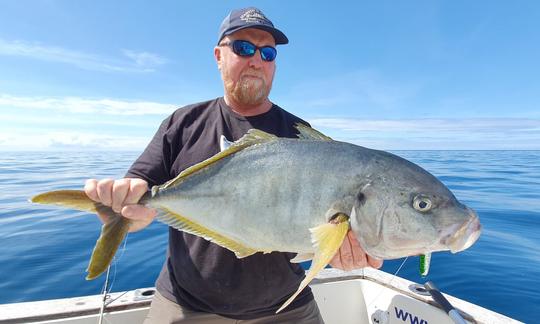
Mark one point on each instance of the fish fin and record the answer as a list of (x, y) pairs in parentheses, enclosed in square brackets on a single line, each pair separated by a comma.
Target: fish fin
[(326, 239), (224, 143), (112, 233), (75, 199), (301, 257), (186, 225), (252, 137), (307, 132)]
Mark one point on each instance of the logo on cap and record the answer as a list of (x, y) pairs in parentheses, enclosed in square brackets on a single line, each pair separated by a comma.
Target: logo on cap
[(255, 16)]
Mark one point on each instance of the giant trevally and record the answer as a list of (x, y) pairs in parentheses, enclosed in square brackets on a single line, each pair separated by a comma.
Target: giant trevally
[(265, 193)]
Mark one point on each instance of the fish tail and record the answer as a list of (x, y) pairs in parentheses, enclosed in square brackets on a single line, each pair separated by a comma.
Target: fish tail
[(113, 231)]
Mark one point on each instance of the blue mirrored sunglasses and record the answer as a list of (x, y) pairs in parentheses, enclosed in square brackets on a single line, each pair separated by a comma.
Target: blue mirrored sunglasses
[(248, 49)]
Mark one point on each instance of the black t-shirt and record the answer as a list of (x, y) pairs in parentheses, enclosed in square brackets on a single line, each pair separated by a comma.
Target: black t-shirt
[(199, 274)]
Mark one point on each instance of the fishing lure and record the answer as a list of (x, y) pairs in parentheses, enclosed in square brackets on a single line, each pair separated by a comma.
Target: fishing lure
[(425, 260)]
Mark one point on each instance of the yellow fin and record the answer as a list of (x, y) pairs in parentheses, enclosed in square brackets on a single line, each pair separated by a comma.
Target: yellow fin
[(252, 137), (75, 199), (327, 239), (112, 233), (307, 132), (186, 225)]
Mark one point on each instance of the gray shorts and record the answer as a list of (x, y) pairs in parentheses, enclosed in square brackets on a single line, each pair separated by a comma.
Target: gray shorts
[(164, 311)]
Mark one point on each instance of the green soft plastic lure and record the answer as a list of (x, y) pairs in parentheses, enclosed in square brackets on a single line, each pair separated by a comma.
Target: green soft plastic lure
[(425, 260)]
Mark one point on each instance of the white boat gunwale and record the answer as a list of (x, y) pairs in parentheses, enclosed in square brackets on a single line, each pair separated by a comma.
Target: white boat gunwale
[(139, 299)]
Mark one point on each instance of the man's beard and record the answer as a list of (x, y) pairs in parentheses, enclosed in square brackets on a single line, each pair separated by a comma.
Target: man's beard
[(248, 90)]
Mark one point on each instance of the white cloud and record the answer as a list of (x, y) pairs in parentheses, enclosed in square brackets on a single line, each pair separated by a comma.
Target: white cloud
[(144, 59), (69, 140), (430, 134), (442, 134), (394, 134), (131, 62), (74, 123), (473, 125), (87, 106)]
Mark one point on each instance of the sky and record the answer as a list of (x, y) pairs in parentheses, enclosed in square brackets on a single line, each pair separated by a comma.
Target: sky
[(391, 75)]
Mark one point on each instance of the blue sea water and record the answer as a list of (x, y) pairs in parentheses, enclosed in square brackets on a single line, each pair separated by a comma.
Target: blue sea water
[(44, 251)]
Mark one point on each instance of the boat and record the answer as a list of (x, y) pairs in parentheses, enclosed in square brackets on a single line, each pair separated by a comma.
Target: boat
[(360, 296)]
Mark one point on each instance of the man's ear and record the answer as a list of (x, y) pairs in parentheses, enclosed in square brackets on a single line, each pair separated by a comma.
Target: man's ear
[(218, 56)]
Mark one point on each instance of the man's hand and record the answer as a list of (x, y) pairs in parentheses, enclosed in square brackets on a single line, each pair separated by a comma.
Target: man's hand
[(122, 195), (351, 255)]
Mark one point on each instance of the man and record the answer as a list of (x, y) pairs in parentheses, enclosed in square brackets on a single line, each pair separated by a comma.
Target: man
[(202, 282)]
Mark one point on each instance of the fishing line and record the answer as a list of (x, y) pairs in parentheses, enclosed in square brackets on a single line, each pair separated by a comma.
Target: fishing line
[(388, 283), (116, 260), (106, 288), (105, 295)]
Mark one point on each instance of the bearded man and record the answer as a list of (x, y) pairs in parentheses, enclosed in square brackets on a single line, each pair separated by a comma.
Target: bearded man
[(202, 282)]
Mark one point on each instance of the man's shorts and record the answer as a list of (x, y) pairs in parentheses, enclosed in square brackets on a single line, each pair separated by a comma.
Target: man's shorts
[(164, 311)]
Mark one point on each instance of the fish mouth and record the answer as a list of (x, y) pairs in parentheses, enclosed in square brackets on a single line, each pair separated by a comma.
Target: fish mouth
[(466, 235)]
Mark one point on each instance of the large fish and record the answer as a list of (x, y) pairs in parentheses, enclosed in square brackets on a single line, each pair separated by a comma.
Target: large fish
[(265, 193)]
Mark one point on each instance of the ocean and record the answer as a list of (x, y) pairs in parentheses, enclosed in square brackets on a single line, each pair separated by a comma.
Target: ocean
[(44, 251)]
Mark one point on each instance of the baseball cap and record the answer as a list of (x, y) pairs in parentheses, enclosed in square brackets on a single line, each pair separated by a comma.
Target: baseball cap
[(250, 17)]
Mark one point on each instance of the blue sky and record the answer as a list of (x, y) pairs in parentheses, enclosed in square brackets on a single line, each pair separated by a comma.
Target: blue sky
[(99, 75)]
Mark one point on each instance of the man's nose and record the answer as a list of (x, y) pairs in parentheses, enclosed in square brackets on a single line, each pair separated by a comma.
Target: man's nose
[(256, 60)]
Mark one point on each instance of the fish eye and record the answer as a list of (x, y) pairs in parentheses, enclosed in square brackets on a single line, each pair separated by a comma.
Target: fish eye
[(422, 204)]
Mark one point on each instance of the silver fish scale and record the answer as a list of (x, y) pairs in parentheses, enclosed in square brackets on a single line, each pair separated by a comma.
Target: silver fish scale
[(269, 195)]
